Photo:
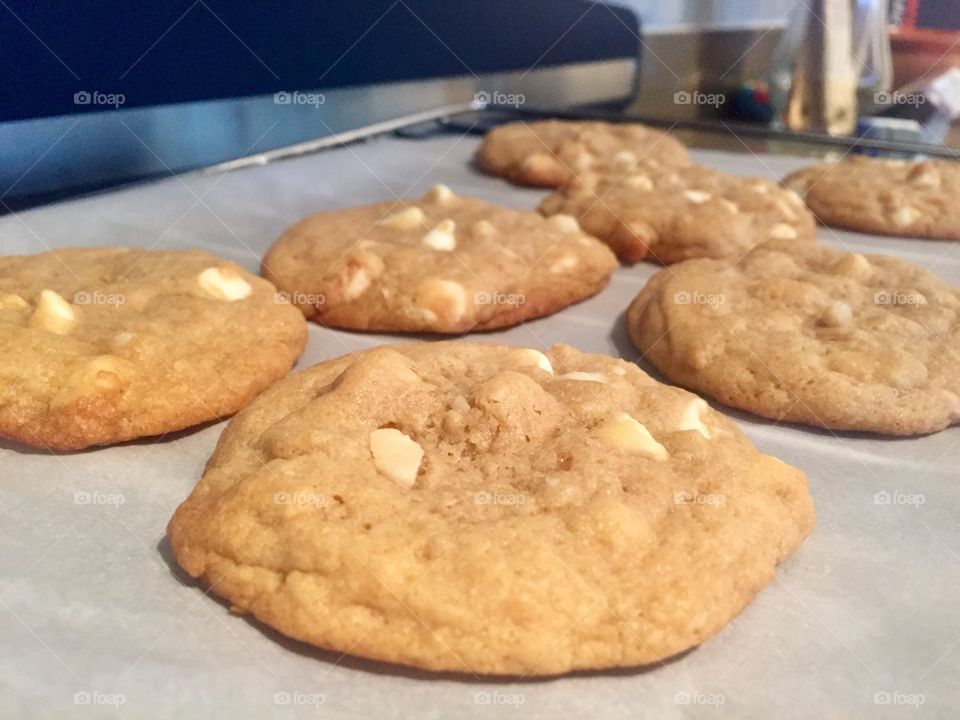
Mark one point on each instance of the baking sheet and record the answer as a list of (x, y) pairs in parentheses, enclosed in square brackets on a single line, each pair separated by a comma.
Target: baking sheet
[(95, 620)]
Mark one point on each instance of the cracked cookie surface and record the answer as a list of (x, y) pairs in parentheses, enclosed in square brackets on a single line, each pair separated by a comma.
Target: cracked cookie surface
[(812, 335), (102, 345), (548, 153), (647, 210), (884, 196), (443, 263), (489, 509)]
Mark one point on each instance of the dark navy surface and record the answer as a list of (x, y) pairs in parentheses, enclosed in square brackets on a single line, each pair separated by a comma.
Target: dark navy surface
[(157, 53)]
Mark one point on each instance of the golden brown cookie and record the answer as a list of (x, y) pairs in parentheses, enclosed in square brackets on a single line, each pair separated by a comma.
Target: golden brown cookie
[(887, 197), (668, 214), (809, 334), (548, 153), (102, 345), (489, 509), (443, 263)]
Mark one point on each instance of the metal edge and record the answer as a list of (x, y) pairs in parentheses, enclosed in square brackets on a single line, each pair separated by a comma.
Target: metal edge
[(339, 139)]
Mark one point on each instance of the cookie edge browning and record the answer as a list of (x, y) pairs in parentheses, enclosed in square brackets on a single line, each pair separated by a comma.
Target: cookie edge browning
[(251, 589), (649, 334), (76, 434), (800, 180)]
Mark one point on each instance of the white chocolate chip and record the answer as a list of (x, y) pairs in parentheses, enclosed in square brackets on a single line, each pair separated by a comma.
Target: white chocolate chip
[(583, 376), (428, 316), (691, 419), (356, 275), (53, 313), (853, 265), (564, 263), (357, 283), (10, 300), (527, 356), (442, 237), (729, 206), (563, 223), (639, 182), (122, 338), (760, 188), (409, 218), (107, 372), (624, 160), (97, 375), (786, 210), (782, 231), (396, 455), (224, 283), (838, 314), (618, 370), (460, 404), (622, 432), (697, 197), (906, 216), (444, 299), (924, 175), (537, 162), (795, 198), (440, 194), (483, 229)]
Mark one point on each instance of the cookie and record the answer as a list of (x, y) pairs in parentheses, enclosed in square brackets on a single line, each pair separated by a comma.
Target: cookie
[(809, 334), (549, 153), (489, 509), (102, 345), (887, 197), (442, 264), (668, 214)]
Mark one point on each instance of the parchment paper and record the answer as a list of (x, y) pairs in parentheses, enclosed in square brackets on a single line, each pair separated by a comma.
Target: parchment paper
[(862, 622)]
